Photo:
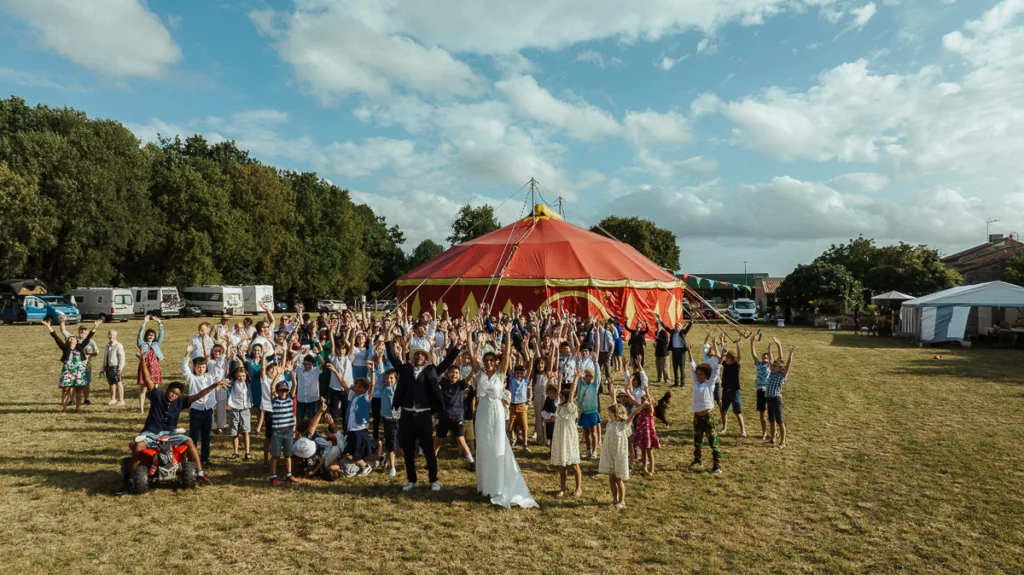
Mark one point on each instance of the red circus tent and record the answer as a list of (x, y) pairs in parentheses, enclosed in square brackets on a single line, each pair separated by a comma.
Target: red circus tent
[(543, 261)]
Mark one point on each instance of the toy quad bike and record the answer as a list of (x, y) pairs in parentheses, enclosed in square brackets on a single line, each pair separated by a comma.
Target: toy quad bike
[(163, 464)]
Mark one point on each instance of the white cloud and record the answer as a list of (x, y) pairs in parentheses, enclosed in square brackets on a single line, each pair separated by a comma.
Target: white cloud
[(666, 63), (705, 46), (580, 120), (862, 15), (591, 56), (648, 127), (859, 182), (38, 80), (151, 131), (116, 38)]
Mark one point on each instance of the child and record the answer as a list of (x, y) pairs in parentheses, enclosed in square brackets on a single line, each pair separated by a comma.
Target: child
[(202, 343), (615, 451), (148, 342), (389, 413), (548, 411), (645, 436), (565, 437), (453, 409), (282, 422), (307, 383), (469, 413), (358, 446), (590, 418), (764, 367), (255, 363), (731, 389), (240, 401), (704, 376), (773, 393), (518, 385), (113, 364), (200, 416), (217, 366), (273, 376)]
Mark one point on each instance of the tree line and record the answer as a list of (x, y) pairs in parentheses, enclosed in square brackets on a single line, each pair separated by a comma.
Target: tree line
[(83, 204)]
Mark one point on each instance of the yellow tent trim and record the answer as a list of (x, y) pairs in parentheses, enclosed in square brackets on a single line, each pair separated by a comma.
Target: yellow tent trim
[(542, 282)]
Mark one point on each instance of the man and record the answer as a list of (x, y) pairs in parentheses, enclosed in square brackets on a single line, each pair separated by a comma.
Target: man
[(661, 353), (677, 347), (418, 394)]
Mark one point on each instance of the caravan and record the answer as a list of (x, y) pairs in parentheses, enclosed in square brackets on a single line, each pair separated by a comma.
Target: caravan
[(157, 301), (104, 303), (216, 300), (253, 295)]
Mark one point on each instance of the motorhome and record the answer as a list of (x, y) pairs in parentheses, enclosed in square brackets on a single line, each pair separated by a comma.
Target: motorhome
[(253, 295), (104, 303), (160, 301), (216, 300)]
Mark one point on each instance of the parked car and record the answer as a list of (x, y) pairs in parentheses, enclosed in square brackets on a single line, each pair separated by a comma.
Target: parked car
[(281, 306), (709, 312), (162, 301), (742, 310), (58, 306), (104, 303), (19, 301), (191, 309)]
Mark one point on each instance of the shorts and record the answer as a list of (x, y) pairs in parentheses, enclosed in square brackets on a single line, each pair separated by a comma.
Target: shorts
[(88, 376), (469, 433), (762, 401), (732, 397), (267, 432), (358, 444), (390, 435), (281, 440), (150, 438), (458, 428), (112, 377), (590, 420), (239, 421), (518, 416), (775, 409)]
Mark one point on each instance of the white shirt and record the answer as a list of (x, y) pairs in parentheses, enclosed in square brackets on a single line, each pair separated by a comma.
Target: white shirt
[(204, 345), (267, 401), (217, 368), (239, 397), (703, 393), (416, 342), (343, 364), (309, 384), (268, 347), (196, 384), (250, 332)]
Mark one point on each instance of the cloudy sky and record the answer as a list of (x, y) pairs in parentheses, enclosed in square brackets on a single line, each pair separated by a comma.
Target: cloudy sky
[(756, 130)]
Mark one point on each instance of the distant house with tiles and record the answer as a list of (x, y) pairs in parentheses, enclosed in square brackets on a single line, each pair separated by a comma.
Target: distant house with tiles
[(764, 292), (985, 263)]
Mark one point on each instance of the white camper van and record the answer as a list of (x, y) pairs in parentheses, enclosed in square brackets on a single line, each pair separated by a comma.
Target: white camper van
[(162, 301), (216, 300), (107, 304), (743, 310), (253, 295)]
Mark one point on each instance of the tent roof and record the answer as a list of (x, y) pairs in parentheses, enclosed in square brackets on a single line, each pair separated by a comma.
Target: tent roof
[(892, 296), (547, 251), (995, 294)]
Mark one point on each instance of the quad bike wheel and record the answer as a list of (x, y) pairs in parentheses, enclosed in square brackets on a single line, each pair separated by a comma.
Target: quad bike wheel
[(126, 471), (189, 475), (140, 480)]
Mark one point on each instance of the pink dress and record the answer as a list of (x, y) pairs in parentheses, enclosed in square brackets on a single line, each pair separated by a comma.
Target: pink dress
[(644, 434)]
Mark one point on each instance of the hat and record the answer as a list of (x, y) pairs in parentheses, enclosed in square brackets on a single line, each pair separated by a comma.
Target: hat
[(225, 316), (281, 385), (304, 448), (414, 351)]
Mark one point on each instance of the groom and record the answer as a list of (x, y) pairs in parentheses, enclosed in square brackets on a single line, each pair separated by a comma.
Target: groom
[(418, 394)]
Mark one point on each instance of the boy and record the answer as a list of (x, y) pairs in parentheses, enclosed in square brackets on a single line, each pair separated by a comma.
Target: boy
[(389, 413), (518, 384), (764, 367), (358, 445), (307, 384), (773, 394), (240, 401), (113, 364), (282, 424), (202, 343), (273, 375), (217, 367), (704, 376), (200, 416), (453, 396), (548, 411), (731, 389)]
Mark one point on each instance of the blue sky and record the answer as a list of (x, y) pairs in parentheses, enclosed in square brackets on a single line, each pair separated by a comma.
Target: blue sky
[(756, 130)]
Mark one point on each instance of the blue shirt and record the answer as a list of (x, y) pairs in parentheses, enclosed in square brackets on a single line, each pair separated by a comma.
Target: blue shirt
[(154, 345), (283, 415), (586, 396), (379, 369), (518, 387), (763, 369), (387, 397), (358, 411), (773, 387)]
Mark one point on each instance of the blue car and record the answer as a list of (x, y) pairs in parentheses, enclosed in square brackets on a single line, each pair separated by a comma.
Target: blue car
[(24, 300), (58, 305)]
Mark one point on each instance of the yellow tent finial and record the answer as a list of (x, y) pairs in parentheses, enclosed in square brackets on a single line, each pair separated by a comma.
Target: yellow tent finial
[(541, 211)]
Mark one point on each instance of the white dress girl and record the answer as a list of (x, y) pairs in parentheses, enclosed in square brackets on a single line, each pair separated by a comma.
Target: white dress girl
[(565, 441), (615, 450), (497, 473)]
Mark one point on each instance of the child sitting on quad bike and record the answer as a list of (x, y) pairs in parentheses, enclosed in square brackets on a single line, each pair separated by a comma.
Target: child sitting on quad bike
[(164, 409)]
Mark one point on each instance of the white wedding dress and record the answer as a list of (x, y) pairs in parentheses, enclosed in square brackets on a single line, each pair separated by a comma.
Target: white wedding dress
[(497, 473)]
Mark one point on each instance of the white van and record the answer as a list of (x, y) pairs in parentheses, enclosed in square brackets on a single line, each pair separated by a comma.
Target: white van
[(216, 300), (104, 303), (253, 295), (162, 301), (743, 310)]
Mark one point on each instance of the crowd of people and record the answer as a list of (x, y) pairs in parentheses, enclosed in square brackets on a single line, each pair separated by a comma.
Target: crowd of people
[(343, 394)]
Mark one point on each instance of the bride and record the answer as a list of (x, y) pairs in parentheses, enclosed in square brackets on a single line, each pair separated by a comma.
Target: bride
[(497, 474)]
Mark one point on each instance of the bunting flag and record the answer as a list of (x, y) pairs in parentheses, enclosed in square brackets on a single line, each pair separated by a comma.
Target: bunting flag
[(712, 283)]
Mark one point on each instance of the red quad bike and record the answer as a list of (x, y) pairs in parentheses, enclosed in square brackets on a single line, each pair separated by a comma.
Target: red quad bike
[(164, 464)]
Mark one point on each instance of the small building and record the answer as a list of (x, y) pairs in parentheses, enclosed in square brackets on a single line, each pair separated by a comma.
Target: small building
[(985, 263), (764, 292), (722, 288)]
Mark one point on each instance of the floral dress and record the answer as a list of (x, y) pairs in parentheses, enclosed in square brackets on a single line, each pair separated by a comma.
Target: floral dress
[(73, 372), (150, 360)]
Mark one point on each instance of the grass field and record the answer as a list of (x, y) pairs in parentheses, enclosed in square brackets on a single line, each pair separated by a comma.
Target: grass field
[(895, 463)]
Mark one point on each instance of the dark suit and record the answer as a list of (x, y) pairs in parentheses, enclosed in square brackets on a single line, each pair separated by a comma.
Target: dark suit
[(678, 352), (419, 396)]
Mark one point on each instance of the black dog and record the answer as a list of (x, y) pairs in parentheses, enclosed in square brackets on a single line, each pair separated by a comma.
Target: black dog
[(661, 410)]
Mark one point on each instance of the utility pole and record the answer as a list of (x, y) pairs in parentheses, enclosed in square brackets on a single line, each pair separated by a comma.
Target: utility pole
[(987, 224), (561, 210), (533, 198), (744, 273)]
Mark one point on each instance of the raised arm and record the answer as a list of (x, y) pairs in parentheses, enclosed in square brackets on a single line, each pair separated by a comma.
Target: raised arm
[(789, 360), (472, 352), (753, 349), (315, 422), (159, 331), (64, 328), (60, 343), (373, 378), (139, 341), (186, 369), (269, 314), (506, 356), (778, 347), (194, 398)]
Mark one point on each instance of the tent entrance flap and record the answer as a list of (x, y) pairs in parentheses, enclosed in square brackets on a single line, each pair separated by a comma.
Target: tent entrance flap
[(945, 323)]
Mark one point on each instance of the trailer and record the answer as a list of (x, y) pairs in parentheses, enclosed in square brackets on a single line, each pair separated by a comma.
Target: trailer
[(253, 295), (216, 300)]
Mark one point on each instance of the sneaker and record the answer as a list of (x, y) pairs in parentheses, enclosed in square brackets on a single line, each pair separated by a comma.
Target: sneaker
[(205, 480), (716, 471), (291, 479), (248, 456), (526, 448), (696, 465), (112, 402), (233, 456), (120, 404), (274, 482), (408, 486), (87, 402), (435, 487), (593, 455), (391, 472), (744, 435), (366, 471)]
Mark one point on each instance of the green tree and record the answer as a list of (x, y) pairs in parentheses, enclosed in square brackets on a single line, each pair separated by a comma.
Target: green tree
[(28, 224), (1014, 269), (472, 223), (656, 244), (912, 269), (823, 285), (424, 252)]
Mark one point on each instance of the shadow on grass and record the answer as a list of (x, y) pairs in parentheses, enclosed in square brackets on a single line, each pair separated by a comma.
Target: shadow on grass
[(853, 340), (961, 366), (89, 482)]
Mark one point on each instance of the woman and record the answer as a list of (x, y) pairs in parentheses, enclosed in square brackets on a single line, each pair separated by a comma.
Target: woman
[(637, 342), (72, 374), (148, 342), (497, 474)]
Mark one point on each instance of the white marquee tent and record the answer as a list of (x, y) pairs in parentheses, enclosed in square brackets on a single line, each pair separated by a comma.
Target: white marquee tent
[(944, 316)]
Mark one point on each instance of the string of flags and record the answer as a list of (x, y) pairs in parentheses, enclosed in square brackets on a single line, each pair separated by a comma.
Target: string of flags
[(712, 283)]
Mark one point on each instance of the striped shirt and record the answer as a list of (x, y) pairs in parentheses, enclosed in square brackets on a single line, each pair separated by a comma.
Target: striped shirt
[(763, 369), (283, 415), (773, 387)]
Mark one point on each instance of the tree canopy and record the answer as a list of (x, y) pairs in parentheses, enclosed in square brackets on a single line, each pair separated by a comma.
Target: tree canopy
[(424, 252), (1014, 267), (827, 286), (657, 244), (472, 223), (912, 269)]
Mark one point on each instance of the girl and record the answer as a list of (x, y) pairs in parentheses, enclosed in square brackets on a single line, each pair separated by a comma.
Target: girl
[(645, 437), (148, 342), (72, 374), (615, 452), (565, 440), (343, 374), (586, 400)]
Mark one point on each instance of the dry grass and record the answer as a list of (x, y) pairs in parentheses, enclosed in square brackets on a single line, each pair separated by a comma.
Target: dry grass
[(895, 463)]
